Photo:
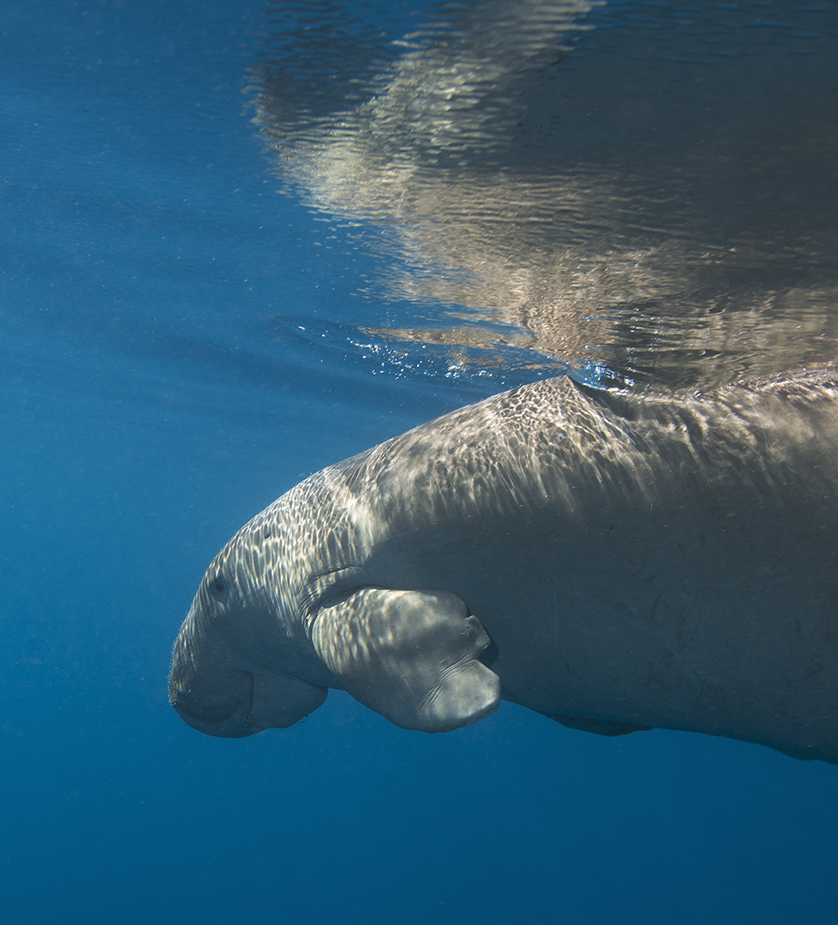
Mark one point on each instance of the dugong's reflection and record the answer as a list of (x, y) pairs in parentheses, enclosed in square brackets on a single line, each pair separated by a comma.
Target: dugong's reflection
[(648, 188)]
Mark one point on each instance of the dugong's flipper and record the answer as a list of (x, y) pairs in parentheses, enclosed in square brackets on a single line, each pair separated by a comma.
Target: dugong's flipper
[(411, 656)]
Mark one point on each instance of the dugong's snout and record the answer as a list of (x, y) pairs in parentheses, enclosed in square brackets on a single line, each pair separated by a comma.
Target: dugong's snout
[(241, 703), (216, 696), (224, 713)]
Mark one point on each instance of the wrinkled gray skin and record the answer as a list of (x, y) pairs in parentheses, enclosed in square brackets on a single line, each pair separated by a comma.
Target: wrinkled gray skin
[(613, 562)]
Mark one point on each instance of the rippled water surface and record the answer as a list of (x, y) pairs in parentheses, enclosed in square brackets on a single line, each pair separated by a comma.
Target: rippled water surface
[(646, 187)]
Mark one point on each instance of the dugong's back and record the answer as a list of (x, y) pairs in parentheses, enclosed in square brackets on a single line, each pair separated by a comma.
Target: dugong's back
[(635, 563)]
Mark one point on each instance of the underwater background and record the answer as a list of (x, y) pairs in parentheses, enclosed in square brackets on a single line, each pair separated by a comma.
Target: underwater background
[(244, 241)]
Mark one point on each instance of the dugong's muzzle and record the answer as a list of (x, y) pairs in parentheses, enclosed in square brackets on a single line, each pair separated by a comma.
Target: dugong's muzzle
[(217, 696)]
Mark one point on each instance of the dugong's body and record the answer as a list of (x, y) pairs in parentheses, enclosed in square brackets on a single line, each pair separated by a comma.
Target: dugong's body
[(612, 562)]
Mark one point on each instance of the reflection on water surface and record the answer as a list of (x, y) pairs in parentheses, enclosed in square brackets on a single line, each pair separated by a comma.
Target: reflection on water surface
[(644, 187)]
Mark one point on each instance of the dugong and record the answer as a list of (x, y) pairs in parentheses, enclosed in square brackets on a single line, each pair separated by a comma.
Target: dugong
[(612, 561)]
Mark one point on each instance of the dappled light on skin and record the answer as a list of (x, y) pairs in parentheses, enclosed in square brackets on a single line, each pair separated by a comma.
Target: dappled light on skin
[(630, 563)]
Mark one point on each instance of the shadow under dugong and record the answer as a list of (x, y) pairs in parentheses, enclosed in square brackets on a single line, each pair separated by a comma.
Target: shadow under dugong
[(610, 561)]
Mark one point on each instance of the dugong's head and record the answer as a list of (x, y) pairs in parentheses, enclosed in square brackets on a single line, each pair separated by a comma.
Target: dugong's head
[(289, 609), (240, 652)]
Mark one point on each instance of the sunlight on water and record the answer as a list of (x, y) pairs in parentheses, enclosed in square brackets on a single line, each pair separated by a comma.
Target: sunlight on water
[(647, 189)]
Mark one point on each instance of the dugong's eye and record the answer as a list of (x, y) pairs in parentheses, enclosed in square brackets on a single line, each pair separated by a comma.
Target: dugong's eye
[(219, 589)]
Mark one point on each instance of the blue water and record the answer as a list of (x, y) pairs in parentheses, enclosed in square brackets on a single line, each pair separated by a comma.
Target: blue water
[(162, 380)]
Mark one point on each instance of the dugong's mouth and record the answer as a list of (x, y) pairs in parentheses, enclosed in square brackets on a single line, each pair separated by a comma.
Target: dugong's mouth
[(217, 697), (212, 718)]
